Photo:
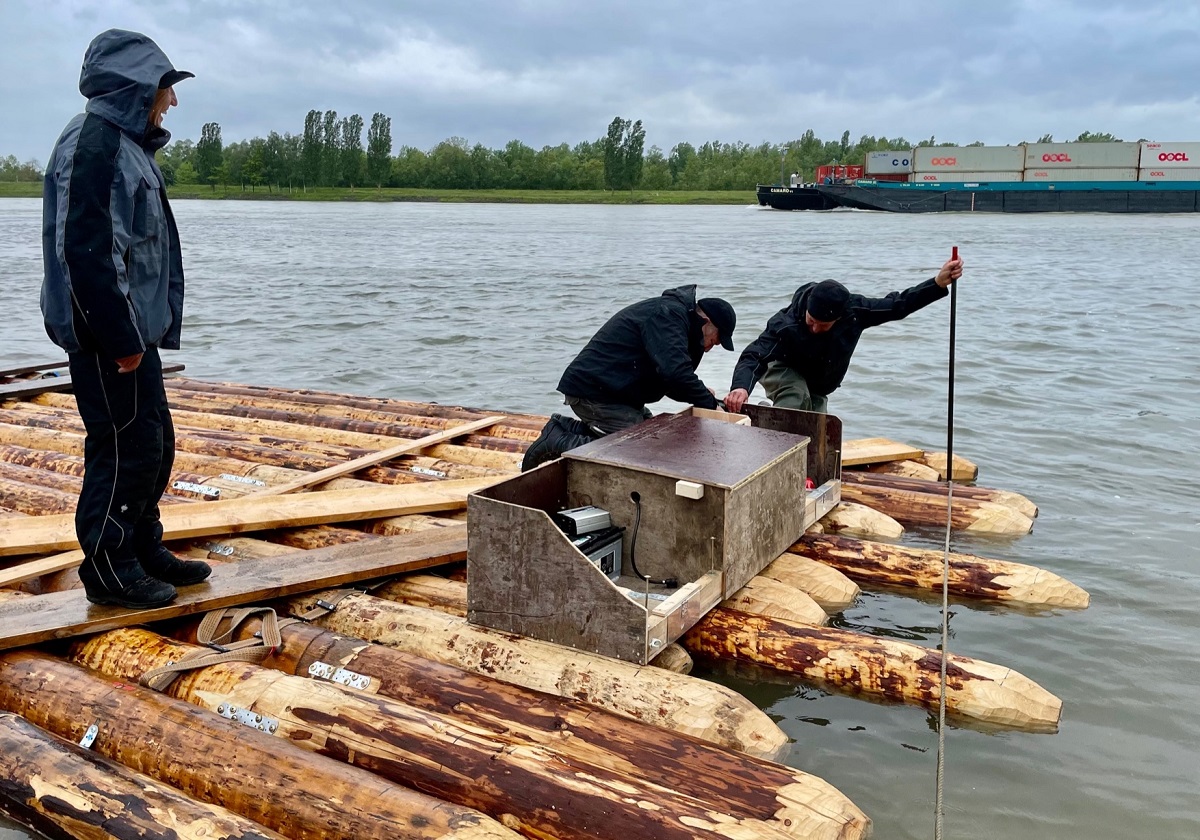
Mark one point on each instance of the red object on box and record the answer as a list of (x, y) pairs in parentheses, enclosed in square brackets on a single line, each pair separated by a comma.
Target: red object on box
[(809, 485)]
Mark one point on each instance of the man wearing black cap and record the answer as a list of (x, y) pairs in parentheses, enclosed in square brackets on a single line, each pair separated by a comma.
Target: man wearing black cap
[(803, 354), (645, 352), (112, 295)]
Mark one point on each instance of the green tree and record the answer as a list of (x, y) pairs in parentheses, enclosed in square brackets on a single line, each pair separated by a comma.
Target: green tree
[(208, 156), (631, 150), (623, 154), (311, 146), (254, 169), (379, 149), (352, 150), (1097, 137), (677, 163), (331, 139)]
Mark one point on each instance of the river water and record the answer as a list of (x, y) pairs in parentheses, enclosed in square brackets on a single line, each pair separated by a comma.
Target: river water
[(1076, 385)]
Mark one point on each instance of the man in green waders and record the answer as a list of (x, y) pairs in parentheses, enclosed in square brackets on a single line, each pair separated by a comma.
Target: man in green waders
[(804, 353)]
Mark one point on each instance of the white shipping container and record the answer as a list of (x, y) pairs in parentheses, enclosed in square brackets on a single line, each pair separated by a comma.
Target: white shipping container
[(969, 159), (882, 163), (1169, 174), (1170, 156), (1106, 174), (1081, 155), (962, 177)]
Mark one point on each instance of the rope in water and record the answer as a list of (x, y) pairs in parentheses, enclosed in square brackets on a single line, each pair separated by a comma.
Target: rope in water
[(941, 751)]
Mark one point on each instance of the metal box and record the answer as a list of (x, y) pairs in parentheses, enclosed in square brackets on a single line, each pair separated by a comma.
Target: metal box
[(1081, 155), (525, 576), (968, 158)]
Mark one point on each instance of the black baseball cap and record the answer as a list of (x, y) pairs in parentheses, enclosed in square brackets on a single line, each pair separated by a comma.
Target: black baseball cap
[(827, 300), (173, 77), (723, 318)]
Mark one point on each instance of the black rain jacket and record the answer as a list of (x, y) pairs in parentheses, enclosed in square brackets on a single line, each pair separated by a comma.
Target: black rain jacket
[(824, 358), (645, 352)]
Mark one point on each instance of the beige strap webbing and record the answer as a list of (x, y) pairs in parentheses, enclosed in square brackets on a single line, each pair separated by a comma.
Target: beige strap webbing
[(248, 650)]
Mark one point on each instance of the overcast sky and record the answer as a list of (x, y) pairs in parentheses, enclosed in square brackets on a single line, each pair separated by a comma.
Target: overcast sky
[(551, 71)]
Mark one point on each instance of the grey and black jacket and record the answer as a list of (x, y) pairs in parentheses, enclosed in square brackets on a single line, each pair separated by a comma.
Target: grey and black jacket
[(823, 358), (646, 351), (113, 279)]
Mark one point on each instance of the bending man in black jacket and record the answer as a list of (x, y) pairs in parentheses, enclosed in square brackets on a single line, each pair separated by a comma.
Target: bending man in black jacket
[(803, 354), (645, 352)]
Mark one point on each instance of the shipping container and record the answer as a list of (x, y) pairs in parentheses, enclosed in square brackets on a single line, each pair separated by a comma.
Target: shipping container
[(963, 177), (969, 159), (1106, 174), (879, 163), (1170, 156), (838, 173), (1081, 156), (1156, 174), (890, 176)]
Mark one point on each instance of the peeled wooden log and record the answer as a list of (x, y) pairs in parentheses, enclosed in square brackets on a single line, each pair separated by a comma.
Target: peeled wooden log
[(410, 524), (964, 470), (59, 462), (318, 536), (674, 658), (970, 576), (61, 789), (432, 410), (36, 501), (34, 477), (910, 508), (764, 596), (45, 411), (536, 790), (346, 410), (907, 469), (939, 488), (374, 427), (791, 801), (880, 669), (264, 778), (827, 586), (683, 704), (858, 520)]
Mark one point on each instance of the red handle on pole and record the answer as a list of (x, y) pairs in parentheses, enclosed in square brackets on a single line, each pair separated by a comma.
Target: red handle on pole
[(954, 253)]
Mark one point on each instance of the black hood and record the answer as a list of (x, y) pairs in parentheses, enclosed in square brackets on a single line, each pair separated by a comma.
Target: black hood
[(120, 78)]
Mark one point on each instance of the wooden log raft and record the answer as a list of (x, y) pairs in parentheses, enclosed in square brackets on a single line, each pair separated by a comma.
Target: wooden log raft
[(796, 803), (533, 789), (862, 665), (251, 773), (826, 585), (652, 695), (921, 508), (860, 521), (885, 670), (59, 788), (967, 492), (970, 576)]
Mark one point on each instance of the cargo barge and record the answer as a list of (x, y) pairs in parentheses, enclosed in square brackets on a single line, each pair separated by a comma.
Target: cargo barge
[(1018, 197), (1080, 177)]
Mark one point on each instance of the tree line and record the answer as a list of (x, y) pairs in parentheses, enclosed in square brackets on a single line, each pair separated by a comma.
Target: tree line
[(330, 153)]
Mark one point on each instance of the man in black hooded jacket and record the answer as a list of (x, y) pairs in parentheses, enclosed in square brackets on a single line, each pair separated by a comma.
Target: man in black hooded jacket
[(803, 354), (645, 352)]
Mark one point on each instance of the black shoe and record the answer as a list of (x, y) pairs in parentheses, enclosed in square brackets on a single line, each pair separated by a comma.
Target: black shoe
[(557, 437), (144, 593), (165, 566)]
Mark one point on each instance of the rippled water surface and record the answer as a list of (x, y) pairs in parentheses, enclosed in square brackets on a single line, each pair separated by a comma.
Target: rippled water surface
[(1077, 370)]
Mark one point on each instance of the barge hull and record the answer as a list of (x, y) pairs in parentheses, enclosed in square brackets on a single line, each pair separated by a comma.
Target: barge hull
[(1068, 197)]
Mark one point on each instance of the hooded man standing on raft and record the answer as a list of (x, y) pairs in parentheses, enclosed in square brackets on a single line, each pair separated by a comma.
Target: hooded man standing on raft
[(803, 354), (111, 297)]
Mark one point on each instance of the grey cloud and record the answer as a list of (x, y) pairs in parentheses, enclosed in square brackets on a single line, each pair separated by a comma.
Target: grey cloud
[(549, 72)]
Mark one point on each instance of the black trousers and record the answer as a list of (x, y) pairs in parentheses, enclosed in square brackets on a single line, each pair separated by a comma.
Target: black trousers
[(128, 454)]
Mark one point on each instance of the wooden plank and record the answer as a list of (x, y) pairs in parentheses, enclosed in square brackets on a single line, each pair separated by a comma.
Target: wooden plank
[(37, 534), (33, 387), (877, 451), (374, 458), (56, 615), (17, 371)]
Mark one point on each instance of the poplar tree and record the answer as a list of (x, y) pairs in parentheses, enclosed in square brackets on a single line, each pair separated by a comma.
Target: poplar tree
[(311, 146), (379, 149), (352, 150), (208, 158)]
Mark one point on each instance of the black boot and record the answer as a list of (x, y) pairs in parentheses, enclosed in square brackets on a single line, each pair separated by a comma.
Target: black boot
[(165, 566), (123, 583), (560, 435)]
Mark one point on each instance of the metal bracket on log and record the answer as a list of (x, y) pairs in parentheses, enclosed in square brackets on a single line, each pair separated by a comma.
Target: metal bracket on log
[(248, 718), (427, 471), (243, 479), (201, 489), (341, 676)]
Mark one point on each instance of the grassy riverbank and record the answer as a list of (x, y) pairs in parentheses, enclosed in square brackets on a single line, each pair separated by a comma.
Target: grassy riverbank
[(26, 189)]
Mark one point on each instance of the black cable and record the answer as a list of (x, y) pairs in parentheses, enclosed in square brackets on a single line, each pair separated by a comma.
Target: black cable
[(670, 583)]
